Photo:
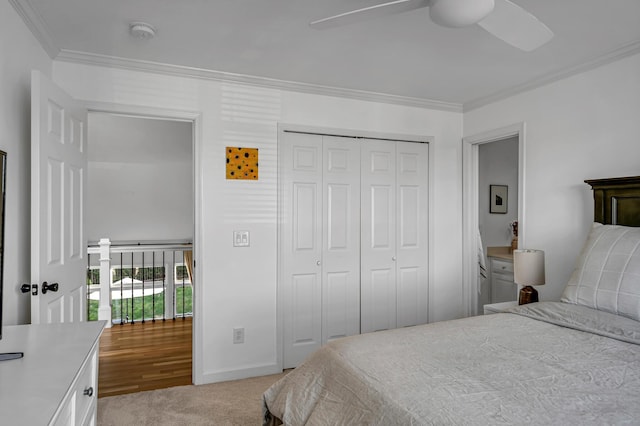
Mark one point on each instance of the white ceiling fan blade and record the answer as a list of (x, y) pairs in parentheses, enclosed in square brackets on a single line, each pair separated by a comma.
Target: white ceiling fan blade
[(514, 25), (370, 12)]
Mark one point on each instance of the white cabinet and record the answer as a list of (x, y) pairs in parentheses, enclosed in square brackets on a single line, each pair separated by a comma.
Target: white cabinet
[(56, 382), (353, 238), (503, 289)]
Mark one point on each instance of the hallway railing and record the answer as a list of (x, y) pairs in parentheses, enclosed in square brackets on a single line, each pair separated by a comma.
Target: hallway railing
[(144, 282)]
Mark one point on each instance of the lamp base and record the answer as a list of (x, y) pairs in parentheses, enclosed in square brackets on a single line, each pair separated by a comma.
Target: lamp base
[(528, 294)]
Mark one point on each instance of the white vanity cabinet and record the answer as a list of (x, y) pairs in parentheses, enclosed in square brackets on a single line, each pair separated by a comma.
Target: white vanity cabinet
[(503, 289), (56, 382)]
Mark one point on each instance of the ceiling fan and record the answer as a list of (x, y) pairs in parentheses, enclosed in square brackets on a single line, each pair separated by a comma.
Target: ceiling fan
[(502, 18)]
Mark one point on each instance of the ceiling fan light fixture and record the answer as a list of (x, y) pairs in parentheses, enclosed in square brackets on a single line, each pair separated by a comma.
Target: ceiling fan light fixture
[(141, 30), (459, 13)]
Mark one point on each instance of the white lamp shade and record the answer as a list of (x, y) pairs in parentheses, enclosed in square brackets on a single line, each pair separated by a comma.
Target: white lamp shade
[(528, 267)]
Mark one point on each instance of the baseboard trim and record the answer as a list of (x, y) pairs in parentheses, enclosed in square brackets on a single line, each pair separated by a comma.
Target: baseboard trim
[(241, 373)]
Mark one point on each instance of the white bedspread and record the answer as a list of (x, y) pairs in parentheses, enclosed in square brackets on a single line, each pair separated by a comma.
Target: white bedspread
[(510, 368)]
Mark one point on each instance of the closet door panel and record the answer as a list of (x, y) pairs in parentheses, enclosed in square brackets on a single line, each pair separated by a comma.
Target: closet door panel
[(412, 230), (409, 216), (341, 246), (382, 209), (302, 246), (378, 239), (305, 206), (380, 298), (303, 319), (409, 296), (339, 217), (336, 312)]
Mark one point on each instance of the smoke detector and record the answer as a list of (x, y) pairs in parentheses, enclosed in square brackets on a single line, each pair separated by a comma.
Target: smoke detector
[(141, 30)]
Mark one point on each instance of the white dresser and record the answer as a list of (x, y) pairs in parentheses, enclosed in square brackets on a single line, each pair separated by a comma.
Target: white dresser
[(56, 382)]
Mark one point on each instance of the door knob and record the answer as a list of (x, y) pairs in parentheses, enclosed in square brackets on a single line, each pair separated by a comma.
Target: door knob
[(88, 391), (49, 287), (318, 263), (393, 258)]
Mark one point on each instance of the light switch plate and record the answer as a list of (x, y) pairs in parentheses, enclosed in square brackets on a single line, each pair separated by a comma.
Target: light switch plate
[(241, 238)]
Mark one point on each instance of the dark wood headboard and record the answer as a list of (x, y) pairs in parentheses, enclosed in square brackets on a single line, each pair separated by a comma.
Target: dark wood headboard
[(617, 200)]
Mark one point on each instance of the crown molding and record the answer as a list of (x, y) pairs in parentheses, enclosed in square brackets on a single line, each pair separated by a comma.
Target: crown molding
[(183, 71), (38, 28), (36, 25), (612, 56)]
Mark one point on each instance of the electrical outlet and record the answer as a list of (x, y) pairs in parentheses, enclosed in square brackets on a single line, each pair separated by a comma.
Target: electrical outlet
[(238, 335)]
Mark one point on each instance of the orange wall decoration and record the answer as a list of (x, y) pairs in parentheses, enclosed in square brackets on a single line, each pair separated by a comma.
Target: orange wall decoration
[(242, 163)]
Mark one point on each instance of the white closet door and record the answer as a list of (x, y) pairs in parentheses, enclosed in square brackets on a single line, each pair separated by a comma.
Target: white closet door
[(302, 245), (353, 238), (341, 248), (378, 239), (394, 234), (412, 233)]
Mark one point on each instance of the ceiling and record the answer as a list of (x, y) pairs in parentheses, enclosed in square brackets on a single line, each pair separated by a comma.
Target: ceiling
[(404, 56)]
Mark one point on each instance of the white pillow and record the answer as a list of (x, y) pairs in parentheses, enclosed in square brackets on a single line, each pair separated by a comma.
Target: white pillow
[(607, 276)]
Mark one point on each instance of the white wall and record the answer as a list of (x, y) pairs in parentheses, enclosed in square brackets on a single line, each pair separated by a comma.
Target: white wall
[(140, 180), (238, 285), (582, 127), (19, 54)]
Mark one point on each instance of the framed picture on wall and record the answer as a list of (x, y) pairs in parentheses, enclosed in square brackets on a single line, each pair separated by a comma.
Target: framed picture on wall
[(498, 198)]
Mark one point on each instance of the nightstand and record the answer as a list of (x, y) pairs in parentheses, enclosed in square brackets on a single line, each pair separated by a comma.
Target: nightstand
[(495, 308)]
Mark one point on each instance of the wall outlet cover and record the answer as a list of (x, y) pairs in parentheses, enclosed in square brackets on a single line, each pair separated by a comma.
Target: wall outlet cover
[(238, 335)]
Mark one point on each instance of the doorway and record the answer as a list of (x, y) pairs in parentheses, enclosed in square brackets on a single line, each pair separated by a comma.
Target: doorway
[(472, 242), (140, 198), (497, 218)]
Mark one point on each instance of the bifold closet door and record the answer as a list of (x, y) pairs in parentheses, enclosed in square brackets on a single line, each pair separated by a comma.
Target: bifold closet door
[(341, 238), (394, 234), (321, 241), (302, 246)]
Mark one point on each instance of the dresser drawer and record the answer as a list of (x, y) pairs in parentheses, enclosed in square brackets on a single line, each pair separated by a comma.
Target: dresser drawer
[(86, 389), (65, 414), (501, 266)]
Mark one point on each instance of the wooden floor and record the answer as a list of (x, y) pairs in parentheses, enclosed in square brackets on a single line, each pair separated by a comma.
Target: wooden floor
[(138, 357)]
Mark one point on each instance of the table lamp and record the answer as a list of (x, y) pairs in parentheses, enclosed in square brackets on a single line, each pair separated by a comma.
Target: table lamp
[(528, 270)]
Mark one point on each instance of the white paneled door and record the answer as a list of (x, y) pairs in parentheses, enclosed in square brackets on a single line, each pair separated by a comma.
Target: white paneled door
[(353, 240), (302, 241), (58, 178), (394, 250), (341, 238), (321, 242), (378, 248)]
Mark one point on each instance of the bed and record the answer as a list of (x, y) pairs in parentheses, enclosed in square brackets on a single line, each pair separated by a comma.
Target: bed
[(576, 361)]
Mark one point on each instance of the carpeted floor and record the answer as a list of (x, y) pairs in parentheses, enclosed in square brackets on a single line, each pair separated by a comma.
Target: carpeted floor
[(228, 403)]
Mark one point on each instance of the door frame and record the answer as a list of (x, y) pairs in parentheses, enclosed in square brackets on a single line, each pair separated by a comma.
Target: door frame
[(470, 210), (358, 134), (197, 370)]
